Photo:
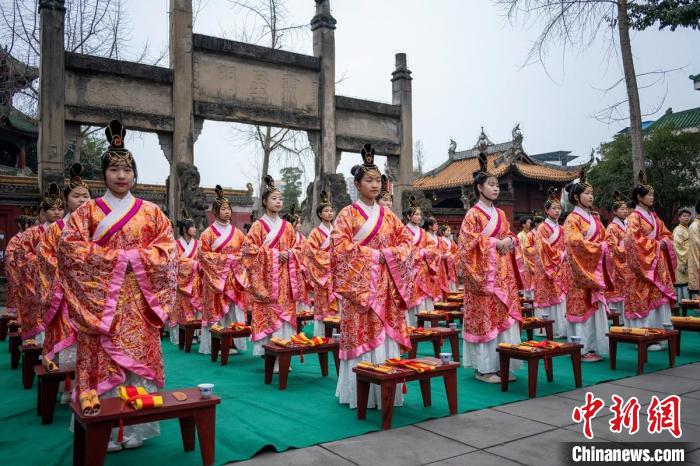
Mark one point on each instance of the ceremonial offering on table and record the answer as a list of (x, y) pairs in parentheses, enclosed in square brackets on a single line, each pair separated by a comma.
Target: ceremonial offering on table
[(447, 306), (690, 301), (455, 297), (417, 365), (300, 340), (139, 398), (216, 328), (31, 342), (687, 320), (636, 330), (531, 320), (543, 344), (332, 319), (305, 314), (238, 326), (383, 368), (89, 403), (518, 347), (421, 331)]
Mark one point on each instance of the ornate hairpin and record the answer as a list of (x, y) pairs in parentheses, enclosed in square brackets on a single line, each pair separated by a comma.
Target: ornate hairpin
[(325, 200), (642, 181), (368, 158), (76, 177), (270, 183), (116, 154), (52, 198), (220, 199)]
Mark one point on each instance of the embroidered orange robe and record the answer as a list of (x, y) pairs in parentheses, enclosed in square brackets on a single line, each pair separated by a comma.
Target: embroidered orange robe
[(305, 290), (375, 295), (318, 266), (223, 274), (491, 280), (188, 299), (60, 333), (619, 272), (30, 310), (587, 267), (12, 273), (448, 264), (119, 292), (426, 268), (524, 255), (275, 287), (550, 275), (652, 277)]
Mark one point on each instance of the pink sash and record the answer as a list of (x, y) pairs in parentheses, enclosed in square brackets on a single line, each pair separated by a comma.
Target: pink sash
[(220, 241), (113, 221), (369, 229)]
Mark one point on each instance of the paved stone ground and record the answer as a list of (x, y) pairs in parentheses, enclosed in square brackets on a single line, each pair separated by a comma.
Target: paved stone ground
[(525, 432)]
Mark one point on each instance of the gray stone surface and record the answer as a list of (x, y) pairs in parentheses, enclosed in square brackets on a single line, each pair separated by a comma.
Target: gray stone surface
[(606, 390), (484, 428), (405, 446), (660, 383), (552, 410), (312, 456), (477, 458), (542, 449)]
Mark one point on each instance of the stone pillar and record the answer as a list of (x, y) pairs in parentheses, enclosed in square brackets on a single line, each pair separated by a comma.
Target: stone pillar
[(182, 149), (402, 95), (51, 149)]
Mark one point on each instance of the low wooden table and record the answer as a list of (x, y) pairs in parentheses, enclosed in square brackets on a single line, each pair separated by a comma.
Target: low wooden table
[(441, 333), (186, 334), (47, 390), (4, 320), (329, 327), (614, 317), (642, 343), (455, 298), (31, 356), (91, 433), (435, 318), (14, 344), (302, 321), (285, 353), (388, 383), (546, 324), (533, 361), (222, 341), (681, 326), (687, 306)]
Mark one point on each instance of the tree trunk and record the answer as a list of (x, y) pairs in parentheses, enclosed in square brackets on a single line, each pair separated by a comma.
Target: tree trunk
[(632, 90)]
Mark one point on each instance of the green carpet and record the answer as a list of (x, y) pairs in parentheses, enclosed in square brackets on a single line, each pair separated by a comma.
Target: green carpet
[(253, 415)]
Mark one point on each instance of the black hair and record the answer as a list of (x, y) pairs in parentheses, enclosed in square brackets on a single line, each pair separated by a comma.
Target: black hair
[(640, 190), (319, 209), (524, 219), (685, 210), (574, 192), (184, 225), (443, 229), (536, 220), (269, 189), (430, 221), (105, 165), (292, 218)]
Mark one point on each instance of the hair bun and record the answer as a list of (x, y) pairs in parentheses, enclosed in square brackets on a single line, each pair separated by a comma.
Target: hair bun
[(355, 170)]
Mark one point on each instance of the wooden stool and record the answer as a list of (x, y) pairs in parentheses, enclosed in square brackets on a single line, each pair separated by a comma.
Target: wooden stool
[(186, 334), (687, 326), (47, 390), (14, 344), (4, 320), (91, 433), (687, 305), (614, 317), (642, 342), (533, 361), (12, 327), (285, 353), (31, 356), (546, 324), (222, 341), (455, 298), (435, 318), (329, 326), (388, 383), (436, 338)]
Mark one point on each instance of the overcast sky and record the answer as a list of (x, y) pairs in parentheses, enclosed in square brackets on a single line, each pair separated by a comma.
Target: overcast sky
[(467, 63)]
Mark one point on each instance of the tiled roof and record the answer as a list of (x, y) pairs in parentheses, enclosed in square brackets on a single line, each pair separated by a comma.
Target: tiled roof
[(459, 172), (680, 120)]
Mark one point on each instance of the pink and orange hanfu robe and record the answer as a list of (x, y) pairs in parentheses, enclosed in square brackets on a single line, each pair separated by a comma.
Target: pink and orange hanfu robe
[(375, 292), (447, 276), (30, 312), (188, 299), (12, 272), (426, 265), (305, 302), (317, 256), (223, 280), (651, 291), (588, 263), (275, 286), (619, 272), (491, 283), (550, 277), (60, 335), (118, 263), (525, 259)]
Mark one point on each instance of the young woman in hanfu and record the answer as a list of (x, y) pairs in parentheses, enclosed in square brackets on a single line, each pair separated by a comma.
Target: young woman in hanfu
[(448, 267), (652, 261), (317, 256), (550, 277), (12, 272), (304, 302), (61, 336), (426, 265), (188, 300), (433, 239), (619, 272), (275, 277), (385, 198), (117, 259), (491, 280), (31, 312), (372, 269), (223, 274), (587, 259)]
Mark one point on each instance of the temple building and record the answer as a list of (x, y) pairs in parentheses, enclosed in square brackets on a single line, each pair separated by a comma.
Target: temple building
[(524, 179)]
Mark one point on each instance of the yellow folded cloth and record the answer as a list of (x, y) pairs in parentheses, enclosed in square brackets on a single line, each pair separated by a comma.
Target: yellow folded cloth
[(332, 320), (139, 398), (688, 319), (517, 347), (421, 331), (239, 326), (530, 320), (375, 367), (630, 330), (690, 301), (544, 344), (418, 366), (216, 328), (280, 341)]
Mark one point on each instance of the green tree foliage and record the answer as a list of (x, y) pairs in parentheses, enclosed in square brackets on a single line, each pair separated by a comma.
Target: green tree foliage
[(291, 177), (93, 146), (668, 13), (673, 168)]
